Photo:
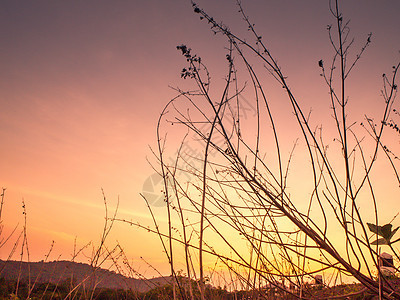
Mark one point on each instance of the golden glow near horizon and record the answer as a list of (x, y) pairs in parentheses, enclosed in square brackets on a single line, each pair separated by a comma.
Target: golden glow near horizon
[(82, 86)]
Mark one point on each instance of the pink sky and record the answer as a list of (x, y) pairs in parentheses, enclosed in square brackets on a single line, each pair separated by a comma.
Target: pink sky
[(82, 84)]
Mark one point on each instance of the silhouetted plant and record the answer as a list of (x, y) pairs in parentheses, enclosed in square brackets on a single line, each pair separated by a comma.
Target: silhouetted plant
[(385, 232), (236, 187)]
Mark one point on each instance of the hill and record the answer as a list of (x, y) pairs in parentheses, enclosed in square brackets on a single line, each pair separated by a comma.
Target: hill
[(75, 273)]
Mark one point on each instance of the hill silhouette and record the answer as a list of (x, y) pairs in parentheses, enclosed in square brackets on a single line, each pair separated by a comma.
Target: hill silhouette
[(57, 272)]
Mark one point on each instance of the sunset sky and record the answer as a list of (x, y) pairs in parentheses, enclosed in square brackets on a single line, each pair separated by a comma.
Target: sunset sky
[(82, 84)]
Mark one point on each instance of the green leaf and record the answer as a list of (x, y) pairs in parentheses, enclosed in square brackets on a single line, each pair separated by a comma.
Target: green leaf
[(393, 232), (386, 231), (381, 241), (373, 228)]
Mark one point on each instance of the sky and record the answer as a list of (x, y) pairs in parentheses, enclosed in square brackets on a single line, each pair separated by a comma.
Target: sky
[(82, 84)]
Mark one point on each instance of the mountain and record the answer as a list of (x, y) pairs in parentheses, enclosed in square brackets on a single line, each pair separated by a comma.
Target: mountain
[(74, 273)]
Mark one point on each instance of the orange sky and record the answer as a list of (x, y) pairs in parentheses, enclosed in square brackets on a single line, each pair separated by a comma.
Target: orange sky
[(82, 84)]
